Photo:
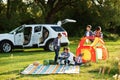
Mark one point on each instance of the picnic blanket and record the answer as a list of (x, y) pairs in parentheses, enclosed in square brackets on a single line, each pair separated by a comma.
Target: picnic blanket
[(51, 69)]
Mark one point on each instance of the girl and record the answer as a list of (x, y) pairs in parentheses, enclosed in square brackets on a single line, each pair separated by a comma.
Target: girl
[(98, 33)]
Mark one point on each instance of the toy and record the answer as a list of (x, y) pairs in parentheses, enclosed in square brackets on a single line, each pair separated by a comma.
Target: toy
[(94, 49), (36, 63)]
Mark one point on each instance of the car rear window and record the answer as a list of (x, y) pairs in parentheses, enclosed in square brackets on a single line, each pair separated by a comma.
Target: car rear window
[(57, 28)]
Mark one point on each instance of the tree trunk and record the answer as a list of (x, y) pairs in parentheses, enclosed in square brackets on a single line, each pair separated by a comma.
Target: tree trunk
[(49, 17), (8, 9)]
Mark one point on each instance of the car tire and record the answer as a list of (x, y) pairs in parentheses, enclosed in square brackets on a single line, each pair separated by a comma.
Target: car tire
[(49, 46), (6, 46)]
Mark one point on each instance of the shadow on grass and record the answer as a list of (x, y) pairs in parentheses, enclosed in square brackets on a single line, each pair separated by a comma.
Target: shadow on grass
[(94, 71), (24, 53), (27, 50)]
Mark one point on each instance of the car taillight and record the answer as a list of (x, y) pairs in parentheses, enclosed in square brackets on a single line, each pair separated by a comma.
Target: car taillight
[(65, 34)]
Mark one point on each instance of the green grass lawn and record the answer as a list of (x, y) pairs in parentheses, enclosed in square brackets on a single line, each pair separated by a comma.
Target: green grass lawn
[(11, 64)]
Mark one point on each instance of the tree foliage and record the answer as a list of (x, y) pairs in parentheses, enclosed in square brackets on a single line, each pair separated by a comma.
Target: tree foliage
[(104, 13)]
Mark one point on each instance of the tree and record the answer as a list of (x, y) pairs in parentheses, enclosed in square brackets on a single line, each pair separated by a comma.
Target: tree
[(104, 13), (52, 8), (8, 9)]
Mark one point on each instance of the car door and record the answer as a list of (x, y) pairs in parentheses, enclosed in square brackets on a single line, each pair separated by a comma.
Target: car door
[(37, 35), (28, 33), (19, 37)]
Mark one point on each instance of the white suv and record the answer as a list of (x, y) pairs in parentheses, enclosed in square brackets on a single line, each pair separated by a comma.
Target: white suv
[(34, 35)]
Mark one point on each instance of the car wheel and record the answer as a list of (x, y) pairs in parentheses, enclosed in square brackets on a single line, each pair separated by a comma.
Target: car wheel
[(6, 47), (50, 46)]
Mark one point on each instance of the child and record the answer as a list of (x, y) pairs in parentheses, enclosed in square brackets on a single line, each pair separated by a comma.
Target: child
[(98, 33), (64, 56), (78, 59), (88, 32), (56, 44)]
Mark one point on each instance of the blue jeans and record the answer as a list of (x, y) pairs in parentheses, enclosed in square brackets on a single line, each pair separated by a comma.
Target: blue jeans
[(78, 63), (57, 49), (65, 60)]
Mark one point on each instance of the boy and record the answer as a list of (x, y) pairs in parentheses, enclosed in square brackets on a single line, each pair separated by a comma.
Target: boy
[(64, 56), (88, 32), (56, 44)]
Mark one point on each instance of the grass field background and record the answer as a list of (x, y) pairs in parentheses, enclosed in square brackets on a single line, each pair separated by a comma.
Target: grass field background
[(11, 64)]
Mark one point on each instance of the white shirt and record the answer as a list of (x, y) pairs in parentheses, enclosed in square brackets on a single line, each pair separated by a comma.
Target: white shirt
[(59, 41), (88, 33)]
